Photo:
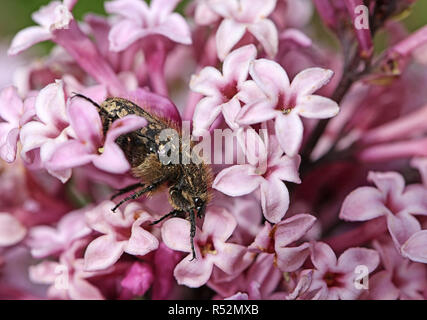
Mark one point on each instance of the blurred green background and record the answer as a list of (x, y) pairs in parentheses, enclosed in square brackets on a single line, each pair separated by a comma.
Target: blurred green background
[(16, 14)]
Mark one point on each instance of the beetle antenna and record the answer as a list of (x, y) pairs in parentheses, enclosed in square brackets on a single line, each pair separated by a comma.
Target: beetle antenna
[(79, 95)]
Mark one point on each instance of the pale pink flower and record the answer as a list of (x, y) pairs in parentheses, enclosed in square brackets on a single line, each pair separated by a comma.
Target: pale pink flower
[(210, 246), (400, 279), (281, 240), (15, 114), (415, 248), (241, 16), (334, 278), (12, 231), (122, 232), (55, 15), (137, 281), (286, 102), (40, 137), (221, 90), (391, 199), (267, 172), (45, 240), (67, 278), (139, 20), (91, 144)]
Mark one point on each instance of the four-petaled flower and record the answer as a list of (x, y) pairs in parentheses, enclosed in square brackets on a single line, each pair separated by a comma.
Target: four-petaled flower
[(139, 20), (210, 246), (122, 231), (221, 90), (286, 102), (391, 199), (336, 279), (241, 16)]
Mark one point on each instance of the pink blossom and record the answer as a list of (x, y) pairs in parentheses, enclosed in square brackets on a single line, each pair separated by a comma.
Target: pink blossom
[(122, 231), (55, 15), (137, 280), (391, 199), (267, 172), (221, 90), (139, 20), (241, 16), (415, 247), (67, 278), (15, 114), (210, 246), (40, 137), (400, 279), (286, 102), (46, 240), (90, 145), (280, 240), (335, 278)]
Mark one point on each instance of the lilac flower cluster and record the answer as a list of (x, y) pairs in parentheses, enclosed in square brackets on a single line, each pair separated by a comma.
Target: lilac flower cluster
[(316, 124)]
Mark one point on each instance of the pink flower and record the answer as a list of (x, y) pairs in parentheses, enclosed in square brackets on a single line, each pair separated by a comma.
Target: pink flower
[(46, 240), (12, 231), (55, 15), (286, 102), (91, 145), (241, 16), (210, 246), (122, 232), (391, 199), (221, 90), (67, 278), (139, 20), (415, 248), (137, 281), (400, 279), (267, 175), (335, 279), (280, 240), (15, 114), (40, 137)]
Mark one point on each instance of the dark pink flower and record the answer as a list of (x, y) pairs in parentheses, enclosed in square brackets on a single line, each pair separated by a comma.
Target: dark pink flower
[(122, 231), (335, 279), (137, 281), (210, 245), (286, 102)]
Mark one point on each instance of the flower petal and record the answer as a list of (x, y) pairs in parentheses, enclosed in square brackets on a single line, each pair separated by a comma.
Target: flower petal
[(364, 203), (208, 82), (207, 111), (80, 289), (141, 242), (266, 33), (310, 80), (388, 182), (50, 105), (317, 107), (237, 180), (219, 223), (292, 229), (176, 234), (236, 64), (290, 259), (415, 248), (289, 132), (353, 257), (27, 38), (274, 199), (175, 28), (229, 257), (11, 106), (322, 256), (103, 252), (123, 34), (230, 110), (193, 273), (8, 149), (286, 169), (227, 36), (401, 227), (256, 112), (70, 154), (270, 77)]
